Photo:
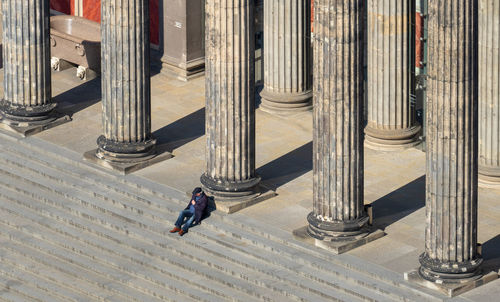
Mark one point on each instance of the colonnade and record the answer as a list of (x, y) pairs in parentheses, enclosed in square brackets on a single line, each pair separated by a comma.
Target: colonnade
[(337, 91)]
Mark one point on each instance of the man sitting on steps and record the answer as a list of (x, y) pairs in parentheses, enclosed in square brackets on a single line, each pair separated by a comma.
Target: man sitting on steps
[(194, 212)]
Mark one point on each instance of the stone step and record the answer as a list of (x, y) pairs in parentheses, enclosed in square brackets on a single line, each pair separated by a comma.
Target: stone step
[(156, 198), (166, 201), (280, 287), (210, 264), (298, 283), (33, 277), (156, 287), (17, 289), (355, 290), (387, 282), (68, 160), (135, 264), (127, 262), (9, 295), (24, 258), (66, 181), (129, 230)]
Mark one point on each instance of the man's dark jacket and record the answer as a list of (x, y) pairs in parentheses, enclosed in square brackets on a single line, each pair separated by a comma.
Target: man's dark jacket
[(199, 207)]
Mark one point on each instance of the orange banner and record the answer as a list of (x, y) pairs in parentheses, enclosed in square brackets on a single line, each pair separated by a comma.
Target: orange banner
[(419, 45), (92, 10)]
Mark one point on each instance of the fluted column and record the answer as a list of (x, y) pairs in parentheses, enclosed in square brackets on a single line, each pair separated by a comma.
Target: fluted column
[(287, 56), (452, 132), (126, 95), (489, 91), (338, 210), (391, 115), (230, 103), (26, 61)]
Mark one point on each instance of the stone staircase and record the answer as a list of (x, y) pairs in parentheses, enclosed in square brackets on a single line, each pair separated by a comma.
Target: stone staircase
[(73, 232)]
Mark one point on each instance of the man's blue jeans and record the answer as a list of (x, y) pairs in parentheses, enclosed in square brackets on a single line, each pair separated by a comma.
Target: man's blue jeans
[(180, 220)]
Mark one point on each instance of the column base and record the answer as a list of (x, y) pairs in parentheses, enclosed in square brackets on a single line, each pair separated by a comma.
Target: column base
[(489, 177), (30, 120), (392, 140), (449, 289), (285, 104), (452, 272), (339, 247), (122, 167), (125, 157), (234, 196), (339, 237), (231, 205), (230, 189)]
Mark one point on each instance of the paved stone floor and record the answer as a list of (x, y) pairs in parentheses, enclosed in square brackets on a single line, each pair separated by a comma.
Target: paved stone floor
[(394, 182)]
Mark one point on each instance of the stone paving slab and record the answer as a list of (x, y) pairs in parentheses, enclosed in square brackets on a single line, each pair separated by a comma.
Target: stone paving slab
[(394, 182)]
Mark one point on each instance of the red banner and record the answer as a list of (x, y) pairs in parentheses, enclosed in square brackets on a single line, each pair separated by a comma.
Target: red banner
[(63, 6), (154, 19)]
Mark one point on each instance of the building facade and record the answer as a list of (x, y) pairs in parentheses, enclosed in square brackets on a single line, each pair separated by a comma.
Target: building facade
[(328, 78)]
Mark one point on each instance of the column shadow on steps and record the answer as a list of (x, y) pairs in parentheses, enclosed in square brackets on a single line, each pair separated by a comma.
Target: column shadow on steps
[(80, 97), (491, 254), (182, 131), (287, 167), (399, 203)]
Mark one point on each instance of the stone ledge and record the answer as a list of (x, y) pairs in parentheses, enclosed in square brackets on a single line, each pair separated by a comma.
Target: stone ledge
[(125, 168), (231, 205), (25, 130), (337, 247), (449, 289)]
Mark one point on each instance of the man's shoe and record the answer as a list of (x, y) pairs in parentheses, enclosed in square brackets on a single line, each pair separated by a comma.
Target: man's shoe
[(182, 232), (175, 230)]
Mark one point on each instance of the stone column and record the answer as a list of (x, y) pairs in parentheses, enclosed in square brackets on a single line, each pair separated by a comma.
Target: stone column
[(287, 56), (230, 102), (391, 114), (452, 131), (338, 205), (126, 95), (489, 91), (26, 63)]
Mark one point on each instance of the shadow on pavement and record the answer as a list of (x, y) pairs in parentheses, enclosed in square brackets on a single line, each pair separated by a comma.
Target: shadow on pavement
[(182, 131), (287, 167), (400, 203), (80, 97), (491, 254)]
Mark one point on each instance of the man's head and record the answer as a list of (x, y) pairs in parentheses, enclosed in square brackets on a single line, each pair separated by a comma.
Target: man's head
[(197, 191)]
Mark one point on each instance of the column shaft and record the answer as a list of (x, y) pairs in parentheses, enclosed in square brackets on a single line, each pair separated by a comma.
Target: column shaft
[(391, 114), (452, 131), (26, 61), (126, 95), (489, 90), (230, 103), (338, 208), (287, 56)]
